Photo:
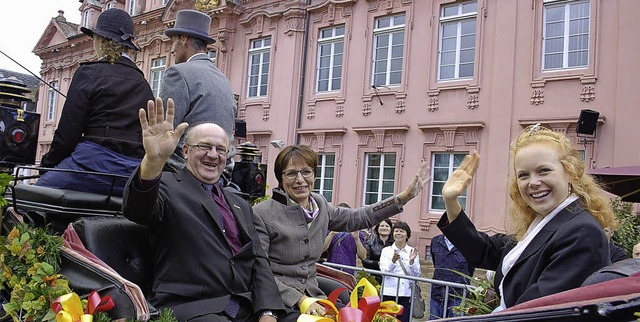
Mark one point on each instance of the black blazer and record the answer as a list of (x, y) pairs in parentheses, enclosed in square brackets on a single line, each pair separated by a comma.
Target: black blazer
[(102, 95), (195, 271), (563, 254)]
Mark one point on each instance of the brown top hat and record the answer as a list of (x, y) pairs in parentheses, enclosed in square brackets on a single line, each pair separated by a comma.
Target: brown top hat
[(115, 25), (192, 23)]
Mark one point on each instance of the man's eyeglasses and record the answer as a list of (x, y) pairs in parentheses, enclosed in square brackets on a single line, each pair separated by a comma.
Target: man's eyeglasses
[(220, 150), (292, 174)]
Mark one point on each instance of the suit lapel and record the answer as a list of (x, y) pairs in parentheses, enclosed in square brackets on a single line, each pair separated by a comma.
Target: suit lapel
[(203, 196), (549, 230), (236, 209)]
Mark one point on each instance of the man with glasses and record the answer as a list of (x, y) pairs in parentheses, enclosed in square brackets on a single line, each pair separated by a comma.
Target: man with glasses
[(208, 261)]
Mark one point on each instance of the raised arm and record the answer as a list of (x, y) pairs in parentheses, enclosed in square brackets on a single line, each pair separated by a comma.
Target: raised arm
[(159, 138), (415, 186), (457, 183)]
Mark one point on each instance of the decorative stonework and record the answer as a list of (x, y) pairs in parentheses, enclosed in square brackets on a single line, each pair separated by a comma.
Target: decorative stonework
[(265, 113), (242, 113), (366, 109), (432, 106), (206, 5), (472, 102), (537, 96), (311, 112), (400, 106), (339, 110), (588, 93)]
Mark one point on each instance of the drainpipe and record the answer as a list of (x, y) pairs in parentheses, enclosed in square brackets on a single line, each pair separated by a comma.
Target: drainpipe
[(304, 70)]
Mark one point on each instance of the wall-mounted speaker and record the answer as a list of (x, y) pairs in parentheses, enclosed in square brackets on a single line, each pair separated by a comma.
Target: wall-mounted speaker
[(587, 122)]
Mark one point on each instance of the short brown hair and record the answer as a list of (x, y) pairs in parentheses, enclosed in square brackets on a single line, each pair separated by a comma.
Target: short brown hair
[(404, 226), (297, 153)]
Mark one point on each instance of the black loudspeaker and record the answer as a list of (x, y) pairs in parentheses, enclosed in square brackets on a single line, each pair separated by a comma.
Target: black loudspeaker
[(240, 129), (251, 178), (587, 122), (19, 130)]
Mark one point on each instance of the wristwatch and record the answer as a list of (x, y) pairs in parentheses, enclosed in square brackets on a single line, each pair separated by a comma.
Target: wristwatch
[(268, 313)]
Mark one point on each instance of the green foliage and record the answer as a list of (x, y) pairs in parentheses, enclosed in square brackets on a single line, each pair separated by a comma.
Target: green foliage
[(628, 233), (30, 264), (362, 274), (261, 199), (5, 178)]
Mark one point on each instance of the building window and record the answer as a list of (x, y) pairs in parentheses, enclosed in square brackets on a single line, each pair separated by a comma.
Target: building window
[(52, 100), (158, 67), (457, 48), (86, 15), (330, 53), (325, 173), (380, 177), (108, 5), (442, 165), (259, 56), (566, 35), (213, 55), (388, 50), (164, 2), (132, 7)]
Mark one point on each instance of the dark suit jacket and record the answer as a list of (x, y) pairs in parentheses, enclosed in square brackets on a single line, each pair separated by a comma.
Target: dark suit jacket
[(195, 271), (563, 254), (102, 95)]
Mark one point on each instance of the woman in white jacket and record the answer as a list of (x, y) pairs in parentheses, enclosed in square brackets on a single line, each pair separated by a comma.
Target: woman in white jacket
[(400, 259)]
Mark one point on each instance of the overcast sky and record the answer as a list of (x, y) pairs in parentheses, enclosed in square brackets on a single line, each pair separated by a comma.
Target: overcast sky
[(22, 23)]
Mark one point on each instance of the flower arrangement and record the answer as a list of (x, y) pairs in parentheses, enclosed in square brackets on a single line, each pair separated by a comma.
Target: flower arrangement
[(365, 308), (481, 297), (30, 264)]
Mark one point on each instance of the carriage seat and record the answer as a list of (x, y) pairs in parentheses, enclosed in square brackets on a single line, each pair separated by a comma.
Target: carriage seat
[(121, 244), (59, 200)]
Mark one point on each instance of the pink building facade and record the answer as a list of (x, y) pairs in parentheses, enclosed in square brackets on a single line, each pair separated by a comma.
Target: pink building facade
[(376, 86)]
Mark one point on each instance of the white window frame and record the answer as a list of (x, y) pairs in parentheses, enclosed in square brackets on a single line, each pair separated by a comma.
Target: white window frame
[(336, 59), (457, 20), (566, 34), (380, 193), (86, 18), (393, 31), (450, 168), (260, 51), (158, 66), (52, 100), (321, 184), (132, 7)]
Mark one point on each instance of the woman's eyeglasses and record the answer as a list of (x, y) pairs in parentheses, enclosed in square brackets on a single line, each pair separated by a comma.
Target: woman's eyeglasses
[(220, 150), (292, 174)]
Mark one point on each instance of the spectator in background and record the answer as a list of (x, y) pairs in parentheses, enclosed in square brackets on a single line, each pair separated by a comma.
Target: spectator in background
[(636, 250), (380, 239), (400, 259), (447, 262), (99, 129), (342, 247), (616, 252), (199, 90)]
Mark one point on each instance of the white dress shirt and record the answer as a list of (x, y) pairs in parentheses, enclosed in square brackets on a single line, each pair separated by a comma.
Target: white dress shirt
[(387, 266)]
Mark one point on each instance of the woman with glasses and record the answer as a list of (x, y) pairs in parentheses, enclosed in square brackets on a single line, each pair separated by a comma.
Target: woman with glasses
[(292, 225)]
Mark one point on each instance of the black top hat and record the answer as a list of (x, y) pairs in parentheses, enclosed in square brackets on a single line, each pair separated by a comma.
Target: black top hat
[(115, 25), (192, 23)]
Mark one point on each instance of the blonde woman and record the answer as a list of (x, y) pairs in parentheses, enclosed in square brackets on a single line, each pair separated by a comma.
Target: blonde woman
[(559, 213)]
